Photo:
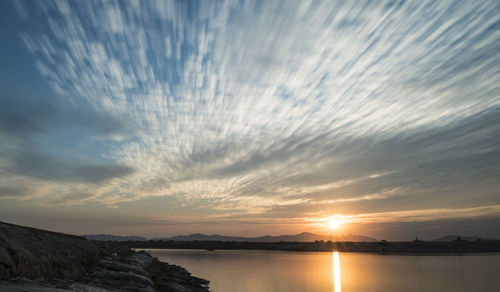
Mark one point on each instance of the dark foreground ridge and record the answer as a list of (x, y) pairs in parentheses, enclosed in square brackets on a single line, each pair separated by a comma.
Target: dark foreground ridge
[(383, 247), (38, 260)]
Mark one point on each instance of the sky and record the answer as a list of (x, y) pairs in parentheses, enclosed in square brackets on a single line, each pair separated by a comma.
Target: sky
[(157, 118)]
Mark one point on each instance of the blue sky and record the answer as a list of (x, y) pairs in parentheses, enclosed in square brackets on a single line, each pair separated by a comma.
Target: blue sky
[(250, 117)]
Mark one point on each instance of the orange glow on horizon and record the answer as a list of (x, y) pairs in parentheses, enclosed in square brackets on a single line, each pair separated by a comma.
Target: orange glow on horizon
[(334, 224)]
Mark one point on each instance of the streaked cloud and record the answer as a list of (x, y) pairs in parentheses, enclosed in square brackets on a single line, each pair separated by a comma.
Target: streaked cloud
[(274, 108)]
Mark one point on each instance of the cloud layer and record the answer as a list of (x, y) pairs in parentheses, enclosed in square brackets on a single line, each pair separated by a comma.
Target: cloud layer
[(274, 109)]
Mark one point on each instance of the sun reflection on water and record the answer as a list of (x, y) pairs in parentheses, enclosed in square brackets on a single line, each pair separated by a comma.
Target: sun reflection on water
[(336, 272)]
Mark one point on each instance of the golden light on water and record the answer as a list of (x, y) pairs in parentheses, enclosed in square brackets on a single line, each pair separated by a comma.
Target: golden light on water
[(336, 272)]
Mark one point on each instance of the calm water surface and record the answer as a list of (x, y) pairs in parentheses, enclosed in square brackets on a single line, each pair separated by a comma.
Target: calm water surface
[(243, 270)]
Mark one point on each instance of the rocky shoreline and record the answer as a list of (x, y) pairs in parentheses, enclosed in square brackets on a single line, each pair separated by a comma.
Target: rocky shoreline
[(38, 260)]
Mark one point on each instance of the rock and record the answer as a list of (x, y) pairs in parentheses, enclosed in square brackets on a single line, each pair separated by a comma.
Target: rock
[(171, 278), (86, 288), (38, 260)]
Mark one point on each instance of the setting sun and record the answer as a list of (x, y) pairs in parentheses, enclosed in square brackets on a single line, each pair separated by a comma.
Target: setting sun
[(334, 224)]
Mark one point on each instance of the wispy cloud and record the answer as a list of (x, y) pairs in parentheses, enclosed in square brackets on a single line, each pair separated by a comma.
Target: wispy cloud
[(252, 106), (431, 214)]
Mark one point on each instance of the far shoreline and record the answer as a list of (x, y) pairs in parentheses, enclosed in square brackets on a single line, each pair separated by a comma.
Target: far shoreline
[(384, 248), (343, 252)]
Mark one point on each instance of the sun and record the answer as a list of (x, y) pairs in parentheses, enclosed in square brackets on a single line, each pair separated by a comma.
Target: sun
[(334, 224)]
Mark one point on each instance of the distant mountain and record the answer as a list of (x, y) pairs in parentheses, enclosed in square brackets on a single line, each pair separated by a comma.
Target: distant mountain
[(301, 237), (467, 238), (109, 237)]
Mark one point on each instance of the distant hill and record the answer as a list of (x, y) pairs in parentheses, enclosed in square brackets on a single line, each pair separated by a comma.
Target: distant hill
[(109, 237), (301, 237), (467, 238)]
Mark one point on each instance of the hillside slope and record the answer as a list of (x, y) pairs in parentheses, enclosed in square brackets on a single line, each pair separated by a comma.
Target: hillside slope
[(39, 260)]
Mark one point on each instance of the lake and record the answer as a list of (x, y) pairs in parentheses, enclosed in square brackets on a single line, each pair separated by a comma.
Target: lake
[(243, 270)]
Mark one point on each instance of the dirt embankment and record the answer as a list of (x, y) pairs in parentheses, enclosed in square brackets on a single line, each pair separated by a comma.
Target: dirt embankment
[(36, 259)]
